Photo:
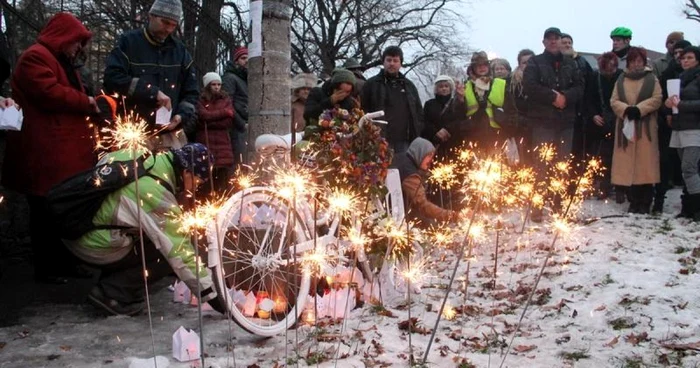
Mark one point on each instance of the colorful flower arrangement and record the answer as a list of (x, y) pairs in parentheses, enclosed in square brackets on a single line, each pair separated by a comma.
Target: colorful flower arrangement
[(348, 154)]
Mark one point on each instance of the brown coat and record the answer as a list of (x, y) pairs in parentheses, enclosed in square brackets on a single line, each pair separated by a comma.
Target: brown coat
[(298, 121), (416, 200), (638, 163)]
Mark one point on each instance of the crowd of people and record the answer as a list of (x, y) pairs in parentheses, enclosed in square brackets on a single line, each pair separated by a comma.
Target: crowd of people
[(621, 112)]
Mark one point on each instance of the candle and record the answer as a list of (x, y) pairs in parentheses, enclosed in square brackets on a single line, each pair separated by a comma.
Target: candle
[(280, 305), (263, 314)]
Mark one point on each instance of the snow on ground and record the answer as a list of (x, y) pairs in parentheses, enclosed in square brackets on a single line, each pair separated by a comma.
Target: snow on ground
[(615, 294)]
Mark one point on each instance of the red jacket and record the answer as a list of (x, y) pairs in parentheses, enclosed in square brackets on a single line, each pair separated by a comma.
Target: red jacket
[(216, 119), (56, 140)]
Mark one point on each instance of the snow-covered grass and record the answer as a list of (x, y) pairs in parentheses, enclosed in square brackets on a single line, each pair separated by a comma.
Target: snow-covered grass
[(618, 292)]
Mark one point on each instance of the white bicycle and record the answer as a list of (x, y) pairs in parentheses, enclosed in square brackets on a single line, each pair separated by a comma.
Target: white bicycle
[(260, 240)]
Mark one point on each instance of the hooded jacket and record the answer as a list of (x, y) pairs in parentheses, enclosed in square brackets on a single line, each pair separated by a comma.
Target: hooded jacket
[(415, 199), (56, 141), (140, 67), (159, 213)]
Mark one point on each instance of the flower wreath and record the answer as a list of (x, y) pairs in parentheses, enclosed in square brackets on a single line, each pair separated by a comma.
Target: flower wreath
[(361, 155)]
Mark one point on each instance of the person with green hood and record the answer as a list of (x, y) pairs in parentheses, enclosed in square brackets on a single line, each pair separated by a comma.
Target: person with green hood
[(413, 166), (153, 210), (337, 92)]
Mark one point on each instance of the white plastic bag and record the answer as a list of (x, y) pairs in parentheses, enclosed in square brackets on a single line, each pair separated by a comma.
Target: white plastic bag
[(11, 119), (628, 129)]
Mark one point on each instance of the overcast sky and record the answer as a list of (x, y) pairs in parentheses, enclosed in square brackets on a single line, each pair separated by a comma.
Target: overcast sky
[(504, 27)]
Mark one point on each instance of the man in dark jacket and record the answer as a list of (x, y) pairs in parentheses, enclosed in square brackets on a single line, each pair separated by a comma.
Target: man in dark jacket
[(338, 91), (397, 96), (554, 87), (579, 139), (621, 38), (235, 84), (152, 69)]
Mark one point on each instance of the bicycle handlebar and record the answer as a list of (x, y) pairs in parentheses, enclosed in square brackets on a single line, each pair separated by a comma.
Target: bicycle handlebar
[(371, 116)]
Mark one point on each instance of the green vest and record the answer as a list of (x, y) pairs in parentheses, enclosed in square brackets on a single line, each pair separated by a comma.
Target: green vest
[(496, 97)]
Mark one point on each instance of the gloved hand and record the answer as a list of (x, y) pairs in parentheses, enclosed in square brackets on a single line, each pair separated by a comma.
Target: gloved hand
[(633, 113)]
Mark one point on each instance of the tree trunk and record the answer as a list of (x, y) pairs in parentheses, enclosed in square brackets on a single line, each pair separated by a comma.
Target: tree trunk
[(268, 75), (206, 51)]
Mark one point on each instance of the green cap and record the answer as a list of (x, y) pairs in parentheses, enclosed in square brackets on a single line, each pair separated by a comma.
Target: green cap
[(622, 32)]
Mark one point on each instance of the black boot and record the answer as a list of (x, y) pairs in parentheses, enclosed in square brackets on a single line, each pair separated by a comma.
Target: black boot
[(620, 193), (633, 198), (694, 207), (685, 207), (646, 196)]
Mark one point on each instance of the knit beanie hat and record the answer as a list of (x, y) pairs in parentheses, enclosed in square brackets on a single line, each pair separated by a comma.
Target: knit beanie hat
[(445, 78), (341, 75), (674, 36), (171, 9), (238, 52), (210, 77), (195, 158)]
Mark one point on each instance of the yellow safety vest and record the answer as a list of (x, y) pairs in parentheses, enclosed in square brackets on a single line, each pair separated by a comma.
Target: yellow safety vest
[(496, 97)]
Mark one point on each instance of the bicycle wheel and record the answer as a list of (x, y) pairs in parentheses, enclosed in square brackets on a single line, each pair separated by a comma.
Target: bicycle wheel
[(256, 260)]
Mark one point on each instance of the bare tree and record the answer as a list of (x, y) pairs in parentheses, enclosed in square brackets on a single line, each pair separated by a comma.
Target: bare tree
[(692, 10), (326, 31), (426, 72)]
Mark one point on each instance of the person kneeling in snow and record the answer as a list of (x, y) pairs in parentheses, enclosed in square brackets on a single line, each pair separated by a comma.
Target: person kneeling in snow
[(117, 252), (413, 166)]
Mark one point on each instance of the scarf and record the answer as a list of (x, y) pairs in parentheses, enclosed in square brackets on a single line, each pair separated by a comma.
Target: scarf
[(481, 86), (689, 76), (645, 93)]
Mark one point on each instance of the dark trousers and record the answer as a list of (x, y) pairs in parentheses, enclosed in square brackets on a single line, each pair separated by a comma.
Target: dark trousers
[(665, 161), (602, 148), (51, 257), (123, 280), (238, 143)]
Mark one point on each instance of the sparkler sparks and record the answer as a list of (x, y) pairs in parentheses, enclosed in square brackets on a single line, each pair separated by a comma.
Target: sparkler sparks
[(129, 132)]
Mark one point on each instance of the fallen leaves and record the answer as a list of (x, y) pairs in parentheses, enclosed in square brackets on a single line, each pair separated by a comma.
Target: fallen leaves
[(412, 326), (637, 339), (686, 346), (612, 342), (65, 347), (525, 348), (600, 308), (23, 334), (2, 344)]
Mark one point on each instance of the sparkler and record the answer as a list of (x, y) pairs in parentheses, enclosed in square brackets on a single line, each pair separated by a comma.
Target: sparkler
[(560, 226)]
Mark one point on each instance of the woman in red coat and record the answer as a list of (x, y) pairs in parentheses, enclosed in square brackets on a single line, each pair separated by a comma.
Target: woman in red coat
[(56, 140), (215, 119)]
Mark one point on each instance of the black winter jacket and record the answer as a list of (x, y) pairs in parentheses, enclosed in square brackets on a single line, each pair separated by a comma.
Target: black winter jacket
[(139, 67), (688, 116), (597, 104), (235, 83), (546, 73), (320, 100), (374, 97)]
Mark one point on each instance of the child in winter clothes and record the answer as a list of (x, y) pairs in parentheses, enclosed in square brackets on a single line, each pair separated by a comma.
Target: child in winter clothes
[(215, 118)]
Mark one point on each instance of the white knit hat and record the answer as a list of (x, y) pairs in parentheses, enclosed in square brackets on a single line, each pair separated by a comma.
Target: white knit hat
[(445, 78), (210, 77)]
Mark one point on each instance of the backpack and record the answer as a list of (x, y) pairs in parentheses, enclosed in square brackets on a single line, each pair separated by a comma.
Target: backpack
[(74, 202)]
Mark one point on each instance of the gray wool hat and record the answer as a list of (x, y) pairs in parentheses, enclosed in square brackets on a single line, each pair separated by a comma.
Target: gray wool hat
[(171, 9)]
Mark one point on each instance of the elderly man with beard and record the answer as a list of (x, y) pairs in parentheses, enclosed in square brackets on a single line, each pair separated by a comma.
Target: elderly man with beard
[(490, 107)]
